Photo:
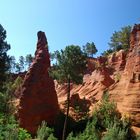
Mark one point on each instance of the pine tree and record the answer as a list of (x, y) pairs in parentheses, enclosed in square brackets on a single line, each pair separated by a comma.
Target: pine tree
[(4, 58), (71, 64)]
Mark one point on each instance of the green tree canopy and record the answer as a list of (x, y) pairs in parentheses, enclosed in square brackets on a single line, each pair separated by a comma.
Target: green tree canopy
[(107, 52), (28, 60), (120, 39), (53, 56), (71, 64), (12, 64), (22, 63), (90, 49), (4, 58)]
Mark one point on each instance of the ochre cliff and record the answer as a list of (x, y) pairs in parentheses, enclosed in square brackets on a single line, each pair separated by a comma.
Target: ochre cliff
[(38, 98), (128, 88), (119, 73), (94, 83)]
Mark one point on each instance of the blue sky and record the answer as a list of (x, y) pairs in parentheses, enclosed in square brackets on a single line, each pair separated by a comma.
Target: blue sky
[(65, 22)]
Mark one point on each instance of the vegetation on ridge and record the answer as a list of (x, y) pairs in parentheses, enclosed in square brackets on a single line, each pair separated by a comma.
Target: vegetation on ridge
[(119, 40), (90, 49)]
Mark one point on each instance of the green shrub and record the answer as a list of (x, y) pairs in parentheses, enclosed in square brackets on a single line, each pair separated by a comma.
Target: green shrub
[(107, 52), (23, 134), (90, 133), (51, 137), (106, 124), (114, 132), (71, 137), (44, 132), (117, 77), (10, 130), (138, 137), (6, 97), (17, 84), (13, 133), (105, 113), (3, 102), (12, 86)]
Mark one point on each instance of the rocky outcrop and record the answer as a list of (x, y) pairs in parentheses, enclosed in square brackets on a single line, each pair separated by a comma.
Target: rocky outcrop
[(127, 92), (38, 99), (92, 89), (118, 60), (91, 62), (79, 107), (119, 73), (76, 101), (131, 101)]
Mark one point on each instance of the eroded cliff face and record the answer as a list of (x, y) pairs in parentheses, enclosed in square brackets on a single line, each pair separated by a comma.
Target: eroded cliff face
[(38, 98), (117, 60), (119, 74), (101, 73), (94, 83), (129, 86)]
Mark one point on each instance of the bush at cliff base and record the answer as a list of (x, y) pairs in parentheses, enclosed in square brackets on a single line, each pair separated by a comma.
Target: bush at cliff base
[(105, 124), (10, 130)]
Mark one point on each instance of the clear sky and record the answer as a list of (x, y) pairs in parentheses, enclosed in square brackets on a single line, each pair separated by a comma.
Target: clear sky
[(65, 22)]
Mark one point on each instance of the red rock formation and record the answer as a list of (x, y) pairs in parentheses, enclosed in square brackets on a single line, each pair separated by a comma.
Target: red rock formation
[(75, 100), (91, 62), (92, 88), (38, 99), (94, 63), (79, 107), (127, 92), (117, 60), (131, 101)]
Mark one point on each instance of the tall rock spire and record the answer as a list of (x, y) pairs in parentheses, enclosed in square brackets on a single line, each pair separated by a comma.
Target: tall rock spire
[(38, 99)]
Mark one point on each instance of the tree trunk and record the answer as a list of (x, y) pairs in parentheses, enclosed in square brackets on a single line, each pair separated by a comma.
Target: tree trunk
[(67, 114)]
